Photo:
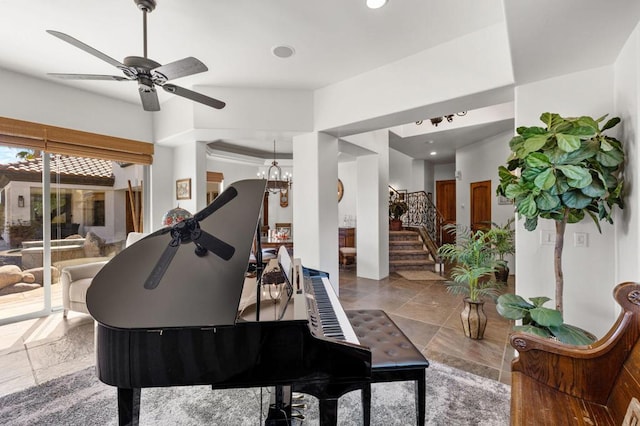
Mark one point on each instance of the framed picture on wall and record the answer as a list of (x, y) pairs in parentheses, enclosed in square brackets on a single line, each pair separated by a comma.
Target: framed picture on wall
[(183, 189)]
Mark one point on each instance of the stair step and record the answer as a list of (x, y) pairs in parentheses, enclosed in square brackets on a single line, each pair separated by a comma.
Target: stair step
[(405, 245), (411, 265), (403, 236), (406, 252), (412, 258)]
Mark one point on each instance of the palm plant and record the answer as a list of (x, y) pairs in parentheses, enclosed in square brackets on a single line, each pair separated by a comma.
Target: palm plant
[(502, 238), (475, 262)]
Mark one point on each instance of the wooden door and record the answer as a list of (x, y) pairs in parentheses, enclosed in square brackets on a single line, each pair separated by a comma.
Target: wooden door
[(481, 205), (446, 205)]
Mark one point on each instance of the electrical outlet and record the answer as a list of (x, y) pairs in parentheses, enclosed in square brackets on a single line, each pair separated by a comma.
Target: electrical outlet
[(580, 239), (547, 237)]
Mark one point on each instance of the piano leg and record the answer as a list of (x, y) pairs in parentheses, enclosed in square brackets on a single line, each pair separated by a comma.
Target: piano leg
[(128, 407), (366, 404), (328, 411), (279, 407)]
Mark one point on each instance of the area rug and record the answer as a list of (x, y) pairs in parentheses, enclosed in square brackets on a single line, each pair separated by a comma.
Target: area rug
[(421, 275), (454, 397)]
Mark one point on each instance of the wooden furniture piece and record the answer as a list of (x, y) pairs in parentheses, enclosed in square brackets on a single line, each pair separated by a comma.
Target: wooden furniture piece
[(346, 246), (393, 357), (598, 384), (346, 237), (269, 243), (347, 255)]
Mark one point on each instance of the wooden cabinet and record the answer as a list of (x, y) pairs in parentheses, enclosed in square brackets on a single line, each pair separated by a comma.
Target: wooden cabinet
[(346, 237)]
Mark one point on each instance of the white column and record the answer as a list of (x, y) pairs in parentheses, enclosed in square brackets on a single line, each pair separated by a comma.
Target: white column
[(373, 207), (315, 212)]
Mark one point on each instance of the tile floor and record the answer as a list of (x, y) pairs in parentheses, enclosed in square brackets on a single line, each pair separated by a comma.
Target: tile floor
[(38, 350)]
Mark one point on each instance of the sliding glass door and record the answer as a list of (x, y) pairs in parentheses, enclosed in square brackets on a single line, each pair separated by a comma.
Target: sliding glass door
[(58, 211)]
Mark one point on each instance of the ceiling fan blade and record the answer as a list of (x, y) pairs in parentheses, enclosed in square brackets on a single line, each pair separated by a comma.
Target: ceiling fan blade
[(181, 68), (220, 201), (149, 100), (214, 245), (86, 48), (161, 266), (194, 96), (88, 77)]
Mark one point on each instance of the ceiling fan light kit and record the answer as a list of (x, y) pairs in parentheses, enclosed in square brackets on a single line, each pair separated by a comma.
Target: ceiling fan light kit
[(146, 72)]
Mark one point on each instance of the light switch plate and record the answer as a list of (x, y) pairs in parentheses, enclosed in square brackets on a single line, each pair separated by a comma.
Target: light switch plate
[(547, 237), (580, 239)]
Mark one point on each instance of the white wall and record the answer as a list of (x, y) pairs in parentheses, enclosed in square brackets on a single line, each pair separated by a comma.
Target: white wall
[(479, 162), (348, 207), (162, 191), (40, 101), (400, 170), (429, 181), (418, 170), (250, 113), (444, 172), (588, 271), (316, 214), (234, 171), (627, 223), (373, 200), (419, 80)]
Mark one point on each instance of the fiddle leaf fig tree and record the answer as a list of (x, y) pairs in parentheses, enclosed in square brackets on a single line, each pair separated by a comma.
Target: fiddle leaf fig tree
[(567, 170)]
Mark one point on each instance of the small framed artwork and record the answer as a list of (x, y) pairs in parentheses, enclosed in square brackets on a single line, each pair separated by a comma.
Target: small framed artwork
[(183, 189)]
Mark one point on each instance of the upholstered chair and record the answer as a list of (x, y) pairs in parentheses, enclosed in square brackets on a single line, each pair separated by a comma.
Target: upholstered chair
[(76, 280)]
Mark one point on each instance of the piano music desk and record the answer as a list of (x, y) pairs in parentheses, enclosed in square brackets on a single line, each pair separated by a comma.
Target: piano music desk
[(393, 357)]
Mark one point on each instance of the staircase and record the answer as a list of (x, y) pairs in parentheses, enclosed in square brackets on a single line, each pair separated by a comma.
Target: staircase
[(406, 252)]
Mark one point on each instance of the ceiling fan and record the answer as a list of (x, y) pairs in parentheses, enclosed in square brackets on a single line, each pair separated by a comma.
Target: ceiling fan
[(147, 72)]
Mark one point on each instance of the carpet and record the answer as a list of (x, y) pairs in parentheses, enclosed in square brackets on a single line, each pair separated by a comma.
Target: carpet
[(421, 275), (454, 397)]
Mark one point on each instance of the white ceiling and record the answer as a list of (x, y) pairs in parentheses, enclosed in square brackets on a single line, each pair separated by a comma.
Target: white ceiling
[(333, 40)]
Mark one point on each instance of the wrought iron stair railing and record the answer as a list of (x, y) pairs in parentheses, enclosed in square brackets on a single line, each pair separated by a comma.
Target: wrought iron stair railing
[(423, 216)]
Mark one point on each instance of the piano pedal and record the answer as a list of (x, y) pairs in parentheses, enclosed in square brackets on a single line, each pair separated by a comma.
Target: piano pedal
[(300, 406), (297, 395), (298, 416)]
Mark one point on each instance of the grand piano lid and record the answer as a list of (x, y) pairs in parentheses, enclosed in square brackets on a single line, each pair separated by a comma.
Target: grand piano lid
[(187, 275)]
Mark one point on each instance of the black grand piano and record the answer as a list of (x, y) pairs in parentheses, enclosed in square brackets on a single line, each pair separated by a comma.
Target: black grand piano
[(175, 309)]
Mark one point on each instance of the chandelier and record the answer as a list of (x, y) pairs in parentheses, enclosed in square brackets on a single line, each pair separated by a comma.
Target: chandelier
[(276, 181), (437, 120)]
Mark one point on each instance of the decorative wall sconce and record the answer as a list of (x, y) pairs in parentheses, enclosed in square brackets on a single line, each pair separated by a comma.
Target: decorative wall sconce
[(20, 201)]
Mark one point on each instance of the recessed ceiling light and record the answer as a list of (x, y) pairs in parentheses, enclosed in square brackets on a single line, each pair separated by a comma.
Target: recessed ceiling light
[(283, 51), (432, 153), (376, 4)]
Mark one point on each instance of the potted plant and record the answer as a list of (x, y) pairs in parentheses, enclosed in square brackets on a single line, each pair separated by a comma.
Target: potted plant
[(502, 238), (567, 170), (397, 208), (541, 321), (472, 275)]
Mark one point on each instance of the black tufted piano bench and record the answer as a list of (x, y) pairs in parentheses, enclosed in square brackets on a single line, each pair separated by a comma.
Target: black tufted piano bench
[(393, 357)]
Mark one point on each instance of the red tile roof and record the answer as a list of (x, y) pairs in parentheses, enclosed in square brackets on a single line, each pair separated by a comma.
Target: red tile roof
[(77, 170)]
